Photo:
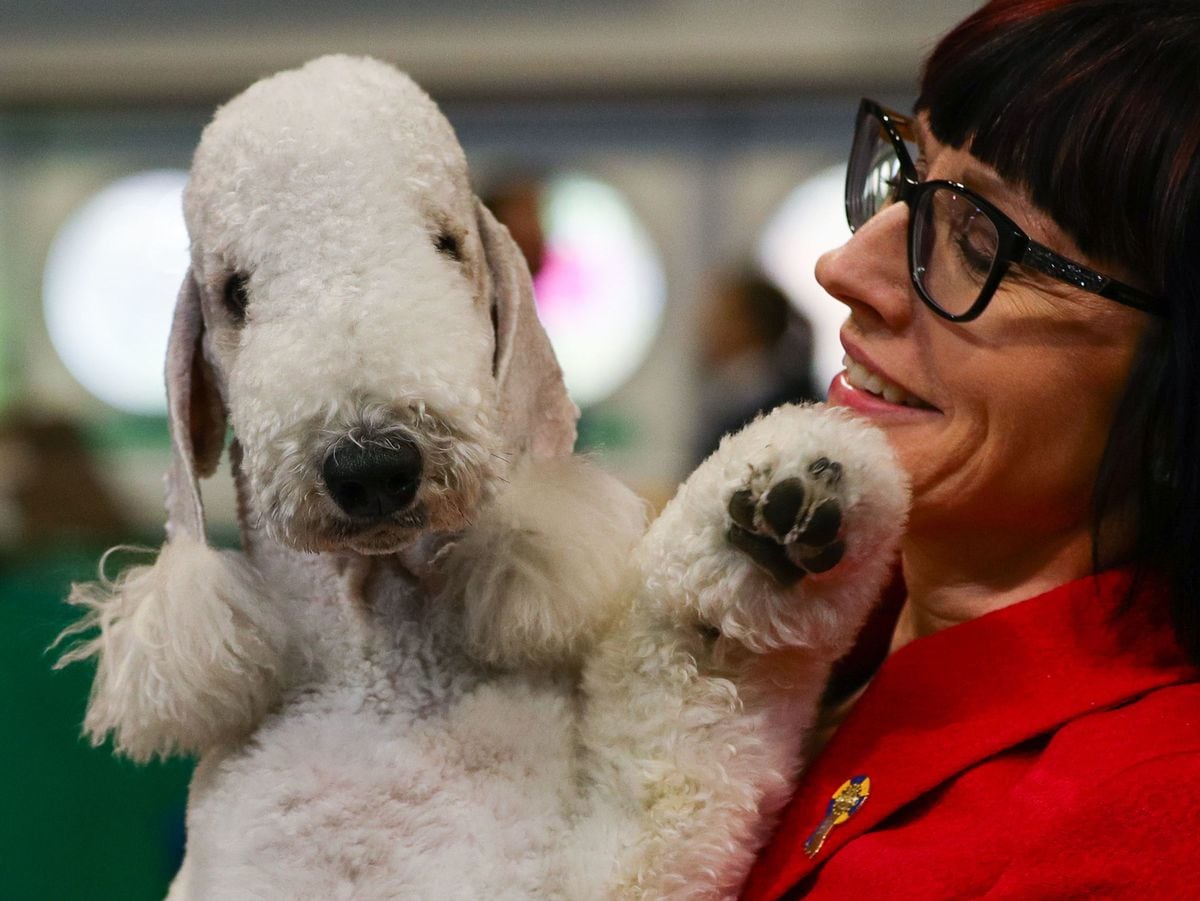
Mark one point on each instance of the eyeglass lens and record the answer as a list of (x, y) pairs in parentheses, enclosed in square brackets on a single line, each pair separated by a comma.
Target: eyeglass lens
[(953, 244), (875, 170)]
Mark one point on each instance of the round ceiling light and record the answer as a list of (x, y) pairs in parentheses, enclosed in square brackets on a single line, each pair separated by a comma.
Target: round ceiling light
[(109, 288), (600, 289)]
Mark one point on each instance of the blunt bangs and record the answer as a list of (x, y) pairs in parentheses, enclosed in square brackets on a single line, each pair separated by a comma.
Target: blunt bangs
[(1092, 107)]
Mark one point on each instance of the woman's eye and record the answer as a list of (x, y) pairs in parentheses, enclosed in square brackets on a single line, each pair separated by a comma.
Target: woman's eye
[(237, 296), (972, 256), (447, 245), (976, 250)]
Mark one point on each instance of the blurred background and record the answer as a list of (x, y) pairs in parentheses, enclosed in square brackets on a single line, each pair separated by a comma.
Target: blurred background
[(671, 168)]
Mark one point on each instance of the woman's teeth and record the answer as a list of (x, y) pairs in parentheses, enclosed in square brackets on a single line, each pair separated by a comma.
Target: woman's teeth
[(865, 380)]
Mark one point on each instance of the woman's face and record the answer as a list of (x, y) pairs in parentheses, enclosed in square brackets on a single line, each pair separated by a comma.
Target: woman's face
[(1001, 421)]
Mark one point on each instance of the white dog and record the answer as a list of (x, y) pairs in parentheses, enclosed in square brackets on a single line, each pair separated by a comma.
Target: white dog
[(449, 660)]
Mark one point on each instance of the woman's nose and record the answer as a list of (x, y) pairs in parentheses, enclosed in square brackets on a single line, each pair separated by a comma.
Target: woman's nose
[(869, 273)]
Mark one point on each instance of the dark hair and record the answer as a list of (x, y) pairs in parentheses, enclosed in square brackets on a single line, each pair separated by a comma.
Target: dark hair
[(1093, 107)]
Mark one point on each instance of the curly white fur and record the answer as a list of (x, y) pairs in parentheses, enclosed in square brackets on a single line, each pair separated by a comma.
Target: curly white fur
[(535, 575), (508, 688), (189, 655)]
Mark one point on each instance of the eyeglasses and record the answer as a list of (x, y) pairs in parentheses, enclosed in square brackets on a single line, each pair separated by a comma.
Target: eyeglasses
[(959, 245)]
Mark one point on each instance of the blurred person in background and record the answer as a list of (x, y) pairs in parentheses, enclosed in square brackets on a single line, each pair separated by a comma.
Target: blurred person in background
[(50, 490), (516, 202), (755, 354), (1023, 290)]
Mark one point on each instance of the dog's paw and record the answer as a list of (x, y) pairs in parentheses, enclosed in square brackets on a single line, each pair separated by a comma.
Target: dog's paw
[(784, 536), (790, 522)]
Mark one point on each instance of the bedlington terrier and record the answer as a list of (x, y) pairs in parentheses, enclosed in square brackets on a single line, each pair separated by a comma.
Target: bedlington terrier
[(450, 660)]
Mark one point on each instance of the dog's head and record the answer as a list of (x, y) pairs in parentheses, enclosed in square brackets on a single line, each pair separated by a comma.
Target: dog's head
[(364, 324)]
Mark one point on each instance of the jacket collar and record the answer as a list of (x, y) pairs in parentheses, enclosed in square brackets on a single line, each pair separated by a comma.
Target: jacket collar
[(945, 702)]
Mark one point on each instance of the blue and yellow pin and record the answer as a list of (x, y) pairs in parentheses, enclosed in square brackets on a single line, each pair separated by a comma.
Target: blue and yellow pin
[(845, 803)]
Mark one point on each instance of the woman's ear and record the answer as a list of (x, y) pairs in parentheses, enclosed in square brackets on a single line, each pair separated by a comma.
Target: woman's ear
[(195, 412), (537, 416)]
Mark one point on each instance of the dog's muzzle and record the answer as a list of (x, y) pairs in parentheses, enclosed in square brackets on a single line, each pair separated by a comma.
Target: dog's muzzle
[(372, 481)]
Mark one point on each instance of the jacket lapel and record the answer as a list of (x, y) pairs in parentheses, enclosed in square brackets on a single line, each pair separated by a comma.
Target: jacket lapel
[(943, 703)]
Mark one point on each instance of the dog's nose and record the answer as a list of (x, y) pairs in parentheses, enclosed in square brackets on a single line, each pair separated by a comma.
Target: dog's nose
[(373, 481)]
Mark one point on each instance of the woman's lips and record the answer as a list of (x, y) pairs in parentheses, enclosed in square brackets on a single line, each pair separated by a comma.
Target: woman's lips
[(862, 389), (865, 379)]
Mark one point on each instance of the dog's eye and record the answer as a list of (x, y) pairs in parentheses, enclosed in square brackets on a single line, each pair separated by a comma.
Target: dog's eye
[(446, 243), (237, 296)]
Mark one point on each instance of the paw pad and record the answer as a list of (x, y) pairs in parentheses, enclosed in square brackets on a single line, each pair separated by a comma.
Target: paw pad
[(790, 527)]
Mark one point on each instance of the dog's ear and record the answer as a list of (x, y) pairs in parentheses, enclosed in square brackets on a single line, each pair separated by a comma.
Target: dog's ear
[(195, 413), (189, 649), (537, 415)]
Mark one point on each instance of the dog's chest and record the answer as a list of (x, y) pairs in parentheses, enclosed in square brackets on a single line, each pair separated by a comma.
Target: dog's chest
[(421, 779)]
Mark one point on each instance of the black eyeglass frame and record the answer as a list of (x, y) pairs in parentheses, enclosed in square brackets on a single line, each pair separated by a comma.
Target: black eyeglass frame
[(1014, 246)]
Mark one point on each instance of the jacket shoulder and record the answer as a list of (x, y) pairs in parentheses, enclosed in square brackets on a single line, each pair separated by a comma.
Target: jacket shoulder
[(1134, 835), (1161, 722), (1113, 810)]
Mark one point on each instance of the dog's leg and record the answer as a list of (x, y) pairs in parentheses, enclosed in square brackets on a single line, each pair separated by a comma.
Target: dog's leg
[(754, 580), (189, 651), (543, 569)]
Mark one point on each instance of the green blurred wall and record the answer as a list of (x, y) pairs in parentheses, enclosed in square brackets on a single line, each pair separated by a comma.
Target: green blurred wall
[(75, 822)]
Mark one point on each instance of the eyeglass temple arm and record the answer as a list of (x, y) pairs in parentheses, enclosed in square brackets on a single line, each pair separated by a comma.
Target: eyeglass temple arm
[(1046, 261)]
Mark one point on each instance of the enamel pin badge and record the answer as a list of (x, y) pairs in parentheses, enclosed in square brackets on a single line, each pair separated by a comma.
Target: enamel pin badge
[(845, 802)]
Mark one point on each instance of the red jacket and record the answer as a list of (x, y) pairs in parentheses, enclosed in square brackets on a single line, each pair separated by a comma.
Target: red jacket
[(1045, 750)]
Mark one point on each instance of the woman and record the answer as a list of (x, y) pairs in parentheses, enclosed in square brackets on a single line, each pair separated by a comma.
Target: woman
[(1023, 287)]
